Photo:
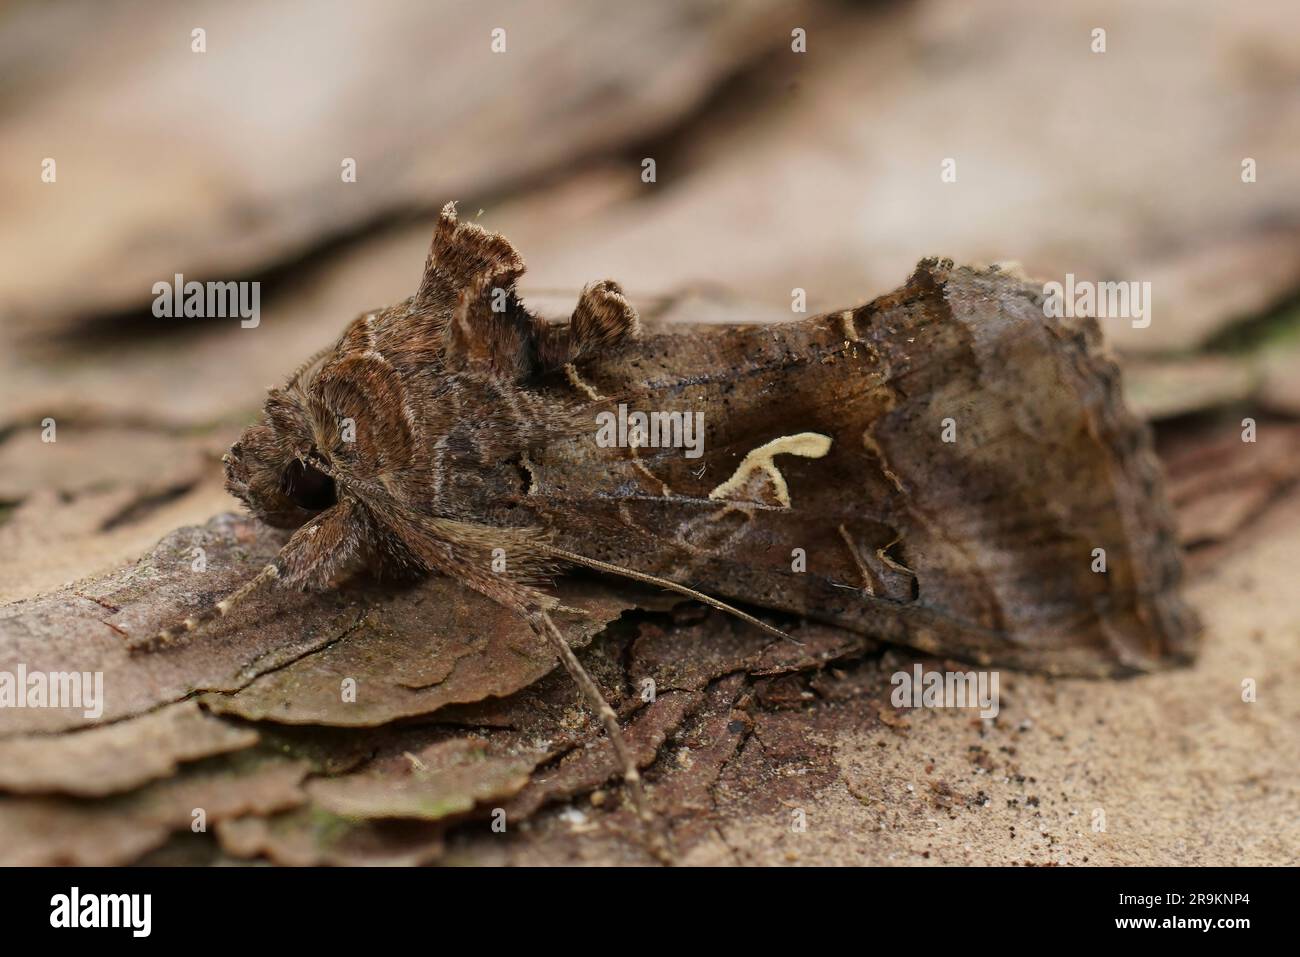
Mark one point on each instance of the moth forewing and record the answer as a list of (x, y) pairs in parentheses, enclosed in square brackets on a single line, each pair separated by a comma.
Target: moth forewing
[(977, 548)]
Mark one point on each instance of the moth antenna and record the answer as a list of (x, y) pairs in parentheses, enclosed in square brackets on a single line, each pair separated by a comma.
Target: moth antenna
[(222, 608), (541, 621), (316, 357), (670, 585)]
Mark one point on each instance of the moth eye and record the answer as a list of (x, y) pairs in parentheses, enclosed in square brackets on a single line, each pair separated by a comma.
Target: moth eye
[(307, 487)]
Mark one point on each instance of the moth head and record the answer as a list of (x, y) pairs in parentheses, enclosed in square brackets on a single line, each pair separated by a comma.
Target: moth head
[(270, 470)]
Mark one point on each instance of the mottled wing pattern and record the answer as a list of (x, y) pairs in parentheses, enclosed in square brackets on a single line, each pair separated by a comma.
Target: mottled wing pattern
[(981, 547)]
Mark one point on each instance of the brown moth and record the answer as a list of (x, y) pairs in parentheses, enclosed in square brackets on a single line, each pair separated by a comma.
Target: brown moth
[(943, 468)]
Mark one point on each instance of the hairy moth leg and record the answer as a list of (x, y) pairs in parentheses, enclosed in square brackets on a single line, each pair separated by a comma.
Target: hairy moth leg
[(458, 550), (308, 560), (196, 621), (542, 624)]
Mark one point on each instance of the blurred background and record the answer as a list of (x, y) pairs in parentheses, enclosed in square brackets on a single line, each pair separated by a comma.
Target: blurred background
[(795, 144)]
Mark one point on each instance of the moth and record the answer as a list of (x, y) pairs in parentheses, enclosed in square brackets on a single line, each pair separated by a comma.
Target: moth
[(944, 468)]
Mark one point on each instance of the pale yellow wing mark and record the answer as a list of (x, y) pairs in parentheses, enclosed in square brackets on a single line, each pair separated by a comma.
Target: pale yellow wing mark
[(759, 480)]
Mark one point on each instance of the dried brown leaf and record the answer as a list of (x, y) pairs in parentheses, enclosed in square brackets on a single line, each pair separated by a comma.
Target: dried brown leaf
[(440, 781), (117, 830), (430, 646), (117, 757), (310, 836)]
